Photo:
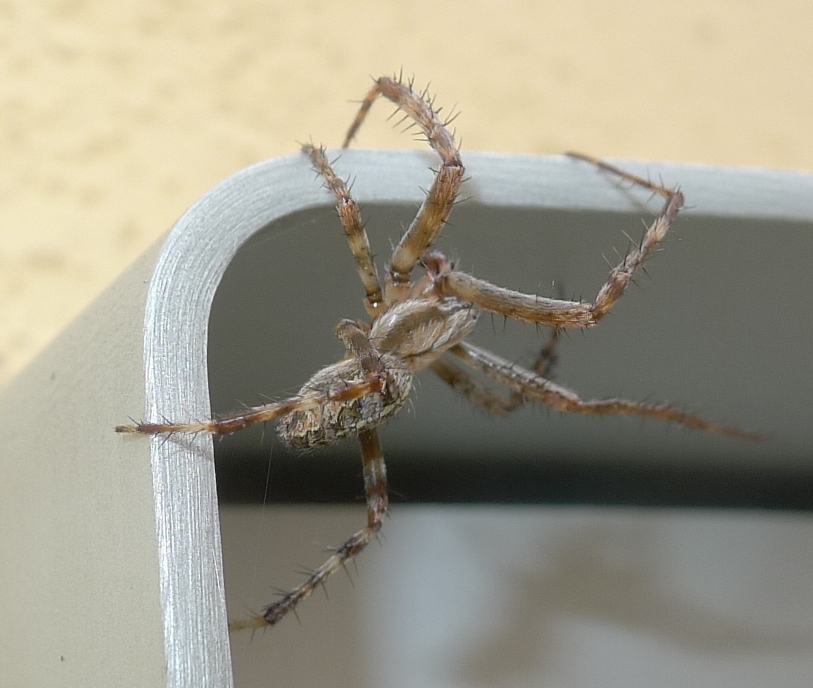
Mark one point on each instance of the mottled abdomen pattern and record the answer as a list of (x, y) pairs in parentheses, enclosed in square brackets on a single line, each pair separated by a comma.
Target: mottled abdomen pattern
[(335, 420)]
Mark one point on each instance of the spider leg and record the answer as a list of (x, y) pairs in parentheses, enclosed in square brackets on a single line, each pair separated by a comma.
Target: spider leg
[(474, 391), (439, 202), (488, 400), (355, 341), (618, 172), (353, 228), (547, 358), (375, 487), (232, 422), (556, 312), (536, 388)]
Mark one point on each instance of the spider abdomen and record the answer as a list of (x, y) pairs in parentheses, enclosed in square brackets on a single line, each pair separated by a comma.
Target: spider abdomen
[(335, 420)]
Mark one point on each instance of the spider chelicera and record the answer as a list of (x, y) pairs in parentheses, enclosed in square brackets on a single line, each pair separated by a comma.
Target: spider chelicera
[(424, 323)]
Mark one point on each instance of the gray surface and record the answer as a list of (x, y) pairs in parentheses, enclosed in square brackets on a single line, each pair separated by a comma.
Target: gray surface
[(79, 576), (125, 572)]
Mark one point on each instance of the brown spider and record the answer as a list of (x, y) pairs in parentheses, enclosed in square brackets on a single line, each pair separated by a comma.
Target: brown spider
[(424, 324)]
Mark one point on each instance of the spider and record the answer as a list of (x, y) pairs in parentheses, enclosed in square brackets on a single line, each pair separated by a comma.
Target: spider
[(424, 323)]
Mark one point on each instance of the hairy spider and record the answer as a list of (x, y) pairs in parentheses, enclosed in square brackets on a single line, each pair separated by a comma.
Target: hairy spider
[(424, 324)]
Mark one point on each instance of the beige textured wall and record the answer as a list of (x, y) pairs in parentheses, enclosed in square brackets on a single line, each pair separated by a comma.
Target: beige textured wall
[(115, 116)]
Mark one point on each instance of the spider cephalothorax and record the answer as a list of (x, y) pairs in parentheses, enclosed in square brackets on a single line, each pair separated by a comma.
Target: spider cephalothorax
[(404, 338), (424, 324)]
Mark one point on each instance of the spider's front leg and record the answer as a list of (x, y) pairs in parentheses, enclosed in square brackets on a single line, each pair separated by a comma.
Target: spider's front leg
[(375, 488), (555, 312), (436, 208), (354, 230)]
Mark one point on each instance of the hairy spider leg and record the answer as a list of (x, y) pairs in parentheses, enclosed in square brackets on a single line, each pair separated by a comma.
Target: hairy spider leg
[(438, 204), (353, 229), (489, 400), (232, 422), (555, 312), (375, 487), (534, 387)]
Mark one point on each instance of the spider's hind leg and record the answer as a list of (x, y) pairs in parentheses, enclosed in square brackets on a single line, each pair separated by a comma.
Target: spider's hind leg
[(492, 401), (475, 392), (375, 487), (536, 388)]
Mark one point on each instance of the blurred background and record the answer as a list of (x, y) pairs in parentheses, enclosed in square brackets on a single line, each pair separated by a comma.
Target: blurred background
[(115, 117)]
